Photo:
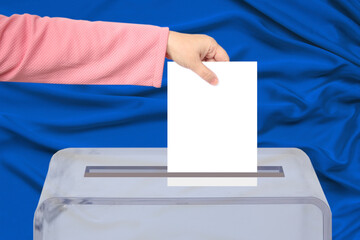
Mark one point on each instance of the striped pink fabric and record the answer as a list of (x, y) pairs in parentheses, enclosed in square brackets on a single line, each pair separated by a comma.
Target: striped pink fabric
[(60, 50)]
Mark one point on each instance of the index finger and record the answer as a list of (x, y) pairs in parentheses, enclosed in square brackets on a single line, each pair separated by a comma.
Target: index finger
[(221, 55)]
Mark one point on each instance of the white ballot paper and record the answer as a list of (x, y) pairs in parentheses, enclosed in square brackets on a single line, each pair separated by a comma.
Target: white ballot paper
[(212, 128)]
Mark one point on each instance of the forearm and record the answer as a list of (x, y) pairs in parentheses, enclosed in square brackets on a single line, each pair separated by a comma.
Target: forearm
[(60, 50)]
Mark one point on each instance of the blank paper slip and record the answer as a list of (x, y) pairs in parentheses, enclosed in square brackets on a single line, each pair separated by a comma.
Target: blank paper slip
[(212, 128)]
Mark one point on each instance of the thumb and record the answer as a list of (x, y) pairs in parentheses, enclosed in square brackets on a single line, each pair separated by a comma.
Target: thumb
[(205, 73)]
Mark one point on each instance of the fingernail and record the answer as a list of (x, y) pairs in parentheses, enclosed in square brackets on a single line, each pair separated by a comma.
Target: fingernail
[(214, 82)]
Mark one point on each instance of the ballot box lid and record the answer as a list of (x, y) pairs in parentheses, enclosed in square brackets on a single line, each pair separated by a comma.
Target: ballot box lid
[(92, 173)]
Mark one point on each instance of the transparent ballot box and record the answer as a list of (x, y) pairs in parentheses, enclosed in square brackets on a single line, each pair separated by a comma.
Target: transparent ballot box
[(122, 194)]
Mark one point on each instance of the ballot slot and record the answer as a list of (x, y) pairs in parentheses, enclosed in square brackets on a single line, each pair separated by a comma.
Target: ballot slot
[(161, 171)]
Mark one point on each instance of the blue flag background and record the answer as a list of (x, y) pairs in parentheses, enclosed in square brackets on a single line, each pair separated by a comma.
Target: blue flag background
[(308, 55)]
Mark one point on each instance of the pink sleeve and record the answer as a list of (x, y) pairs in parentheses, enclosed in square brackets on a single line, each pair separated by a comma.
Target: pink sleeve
[(60, 50)]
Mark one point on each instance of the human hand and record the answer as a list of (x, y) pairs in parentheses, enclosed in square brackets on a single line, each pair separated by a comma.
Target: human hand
[(189, 50)]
